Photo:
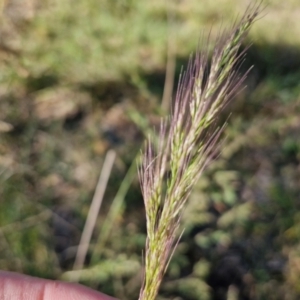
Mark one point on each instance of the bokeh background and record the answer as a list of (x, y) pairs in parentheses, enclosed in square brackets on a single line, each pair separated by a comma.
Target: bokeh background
[(81, 78)]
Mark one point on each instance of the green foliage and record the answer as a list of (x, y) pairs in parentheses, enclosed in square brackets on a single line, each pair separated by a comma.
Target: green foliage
[(70, 72)]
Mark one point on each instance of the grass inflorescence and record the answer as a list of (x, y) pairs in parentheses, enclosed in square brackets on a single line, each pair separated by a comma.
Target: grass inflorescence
[(187, 142)]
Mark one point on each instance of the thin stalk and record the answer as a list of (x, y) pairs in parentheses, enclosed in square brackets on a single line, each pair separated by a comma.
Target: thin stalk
[(94, 211), (116, 209)]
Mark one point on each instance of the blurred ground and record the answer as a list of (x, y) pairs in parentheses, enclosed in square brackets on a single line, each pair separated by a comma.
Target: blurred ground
[(80, 78)]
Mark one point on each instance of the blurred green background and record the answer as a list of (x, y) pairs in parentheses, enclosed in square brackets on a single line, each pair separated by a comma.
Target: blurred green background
[(79, 78)]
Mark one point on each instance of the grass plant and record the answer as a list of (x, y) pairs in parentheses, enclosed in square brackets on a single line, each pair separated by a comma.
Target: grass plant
[(187, 142), (89, 56)]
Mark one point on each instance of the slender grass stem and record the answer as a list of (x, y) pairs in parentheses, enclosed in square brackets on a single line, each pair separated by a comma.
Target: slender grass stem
[(94, 211)]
